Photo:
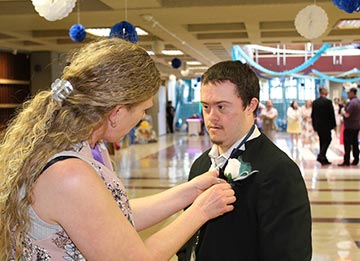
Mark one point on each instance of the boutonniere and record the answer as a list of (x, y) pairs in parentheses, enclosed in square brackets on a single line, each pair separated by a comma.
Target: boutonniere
[(236, 169)]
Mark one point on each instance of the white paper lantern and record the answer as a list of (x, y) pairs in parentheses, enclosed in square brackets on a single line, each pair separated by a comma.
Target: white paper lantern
[(172, 77), (311, 22), (53, 10), (185, 72)]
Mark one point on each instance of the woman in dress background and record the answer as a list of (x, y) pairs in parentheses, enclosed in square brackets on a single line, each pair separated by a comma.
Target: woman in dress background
[(307, 130), (338, 118), (294, 123)]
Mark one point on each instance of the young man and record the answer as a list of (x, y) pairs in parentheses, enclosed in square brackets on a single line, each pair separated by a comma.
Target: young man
[(272, 219), (323, 120)]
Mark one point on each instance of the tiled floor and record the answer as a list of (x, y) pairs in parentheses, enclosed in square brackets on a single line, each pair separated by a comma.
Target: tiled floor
[(334, 191)]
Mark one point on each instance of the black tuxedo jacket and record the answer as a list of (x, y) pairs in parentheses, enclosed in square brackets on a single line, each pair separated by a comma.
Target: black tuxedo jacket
[(322, 115), (271, 220)]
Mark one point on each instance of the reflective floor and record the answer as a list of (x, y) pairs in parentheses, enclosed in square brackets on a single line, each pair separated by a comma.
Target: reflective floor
[(334, 191)]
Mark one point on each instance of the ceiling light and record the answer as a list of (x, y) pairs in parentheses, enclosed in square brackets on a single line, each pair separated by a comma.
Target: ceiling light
[(141, 31), (348, 24), (199, 68), (106, 31), (193, 63), (98, 31), (172, 52)]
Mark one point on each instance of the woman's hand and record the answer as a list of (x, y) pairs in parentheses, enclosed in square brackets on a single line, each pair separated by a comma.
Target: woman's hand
[(206, 180), (216, 201)]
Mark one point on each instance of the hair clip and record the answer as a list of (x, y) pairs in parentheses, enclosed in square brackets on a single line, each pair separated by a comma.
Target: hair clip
[(61, 89)]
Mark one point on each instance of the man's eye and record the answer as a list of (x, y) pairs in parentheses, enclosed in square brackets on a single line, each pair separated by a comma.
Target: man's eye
[(221, 107)]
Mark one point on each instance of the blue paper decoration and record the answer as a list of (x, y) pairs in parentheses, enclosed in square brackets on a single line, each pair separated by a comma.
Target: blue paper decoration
[(124, 30), (198, 79), (238, 52), (348, 6), (77, 33), (334, 79), (176, 63)]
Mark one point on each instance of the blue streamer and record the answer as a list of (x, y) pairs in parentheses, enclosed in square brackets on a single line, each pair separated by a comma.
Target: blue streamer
[(353, 71), (334, 79), (237, 52)]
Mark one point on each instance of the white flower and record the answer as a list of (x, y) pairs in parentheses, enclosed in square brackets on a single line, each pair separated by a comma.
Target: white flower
[(237, 170), (232, 170)]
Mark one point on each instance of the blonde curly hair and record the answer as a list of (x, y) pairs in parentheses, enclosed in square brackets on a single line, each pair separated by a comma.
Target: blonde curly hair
[(104, 74)]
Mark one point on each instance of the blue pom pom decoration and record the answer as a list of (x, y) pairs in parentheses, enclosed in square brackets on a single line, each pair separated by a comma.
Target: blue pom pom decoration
[(198, 79), (176, 63), (348, 6), (77, 33), (124, 30)]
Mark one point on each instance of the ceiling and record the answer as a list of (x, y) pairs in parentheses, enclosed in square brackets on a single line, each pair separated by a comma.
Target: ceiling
[(205, 30)]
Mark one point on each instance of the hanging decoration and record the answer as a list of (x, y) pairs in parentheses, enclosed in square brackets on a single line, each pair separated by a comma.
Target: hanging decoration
[(172, 77), (77, 33), (311, 22), (124, 30), (334, 79), (348, 6), (176, 63), (53, 10), (185, 72), (238, 54)]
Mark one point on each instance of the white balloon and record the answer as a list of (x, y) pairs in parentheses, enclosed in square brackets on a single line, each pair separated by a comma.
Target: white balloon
[(311, 22), (53, 10), (185, 72), (172, 77)]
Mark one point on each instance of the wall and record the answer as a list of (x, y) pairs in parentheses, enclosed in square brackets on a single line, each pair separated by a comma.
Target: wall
[(14, 84), (45, 68)]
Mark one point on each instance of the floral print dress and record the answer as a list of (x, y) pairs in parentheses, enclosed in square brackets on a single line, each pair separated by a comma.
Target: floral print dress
[(54, 243)]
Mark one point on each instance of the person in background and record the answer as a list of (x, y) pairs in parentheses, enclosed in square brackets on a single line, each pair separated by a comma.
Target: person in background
[(338, 118), (268, 116), (323, 120), (258, 119), (351, 114), (294, 123), (272, 218), (307, 130), (170, 114), (60, 198)]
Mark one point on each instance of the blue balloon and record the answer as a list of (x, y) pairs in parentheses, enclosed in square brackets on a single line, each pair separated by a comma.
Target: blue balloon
[(176, 63), (348, 6), (124, 30), (77, 33)]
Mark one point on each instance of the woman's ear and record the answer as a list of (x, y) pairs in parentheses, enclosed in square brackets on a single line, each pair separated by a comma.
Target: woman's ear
[(113, 116)]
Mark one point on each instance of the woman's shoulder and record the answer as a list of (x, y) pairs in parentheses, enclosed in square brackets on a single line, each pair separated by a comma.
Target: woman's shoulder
[(60, 184)]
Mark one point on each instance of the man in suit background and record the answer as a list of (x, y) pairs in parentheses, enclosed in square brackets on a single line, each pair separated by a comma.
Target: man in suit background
[(272, 219), (323, 120), (351, 114)]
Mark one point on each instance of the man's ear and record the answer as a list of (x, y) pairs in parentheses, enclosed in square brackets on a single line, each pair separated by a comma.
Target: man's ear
[(253, 105)]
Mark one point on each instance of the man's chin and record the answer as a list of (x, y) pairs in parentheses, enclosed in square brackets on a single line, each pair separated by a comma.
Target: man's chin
[(216, 140)]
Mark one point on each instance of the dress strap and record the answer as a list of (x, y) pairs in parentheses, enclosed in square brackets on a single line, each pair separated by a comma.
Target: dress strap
[(54, 160)]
